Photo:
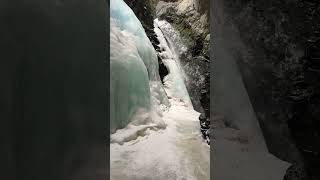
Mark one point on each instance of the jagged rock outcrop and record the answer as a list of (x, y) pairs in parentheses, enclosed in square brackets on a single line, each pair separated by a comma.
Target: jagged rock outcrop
[(278, 58)]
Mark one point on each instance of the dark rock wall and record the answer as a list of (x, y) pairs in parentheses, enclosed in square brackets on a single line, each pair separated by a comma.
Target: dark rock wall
[(280, 74), (53, 90)]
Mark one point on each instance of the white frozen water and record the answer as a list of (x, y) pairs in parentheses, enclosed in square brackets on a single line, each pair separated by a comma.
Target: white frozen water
[(174, 81), (174, 40), (177, 152)]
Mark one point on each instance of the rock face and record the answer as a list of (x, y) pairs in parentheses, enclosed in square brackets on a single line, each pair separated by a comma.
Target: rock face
[(277, 55)]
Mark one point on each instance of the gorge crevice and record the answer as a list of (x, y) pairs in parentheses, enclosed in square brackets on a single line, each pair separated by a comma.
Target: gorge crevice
[(190, 19)]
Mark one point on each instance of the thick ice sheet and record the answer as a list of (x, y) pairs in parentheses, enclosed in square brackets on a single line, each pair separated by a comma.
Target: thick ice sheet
[(135, 88)]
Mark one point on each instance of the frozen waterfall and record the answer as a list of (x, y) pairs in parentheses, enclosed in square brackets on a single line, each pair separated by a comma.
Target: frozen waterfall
[(136, 91), (155, 131), (174, 81)]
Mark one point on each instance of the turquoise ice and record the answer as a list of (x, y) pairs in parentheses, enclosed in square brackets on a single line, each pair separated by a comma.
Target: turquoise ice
[(136, 91)]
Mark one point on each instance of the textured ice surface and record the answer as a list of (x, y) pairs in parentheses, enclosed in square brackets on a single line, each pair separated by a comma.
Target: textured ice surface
[(174, 81), (135, 89), (177, 152)]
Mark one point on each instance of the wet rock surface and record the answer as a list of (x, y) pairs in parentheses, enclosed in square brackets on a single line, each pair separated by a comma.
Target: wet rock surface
[(205, 127), (163, 71)]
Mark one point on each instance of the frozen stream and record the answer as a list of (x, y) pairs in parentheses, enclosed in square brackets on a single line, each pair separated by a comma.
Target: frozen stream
[(177, 152)]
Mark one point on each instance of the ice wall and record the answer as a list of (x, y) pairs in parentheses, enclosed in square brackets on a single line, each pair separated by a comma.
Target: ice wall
[(136, 91)]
